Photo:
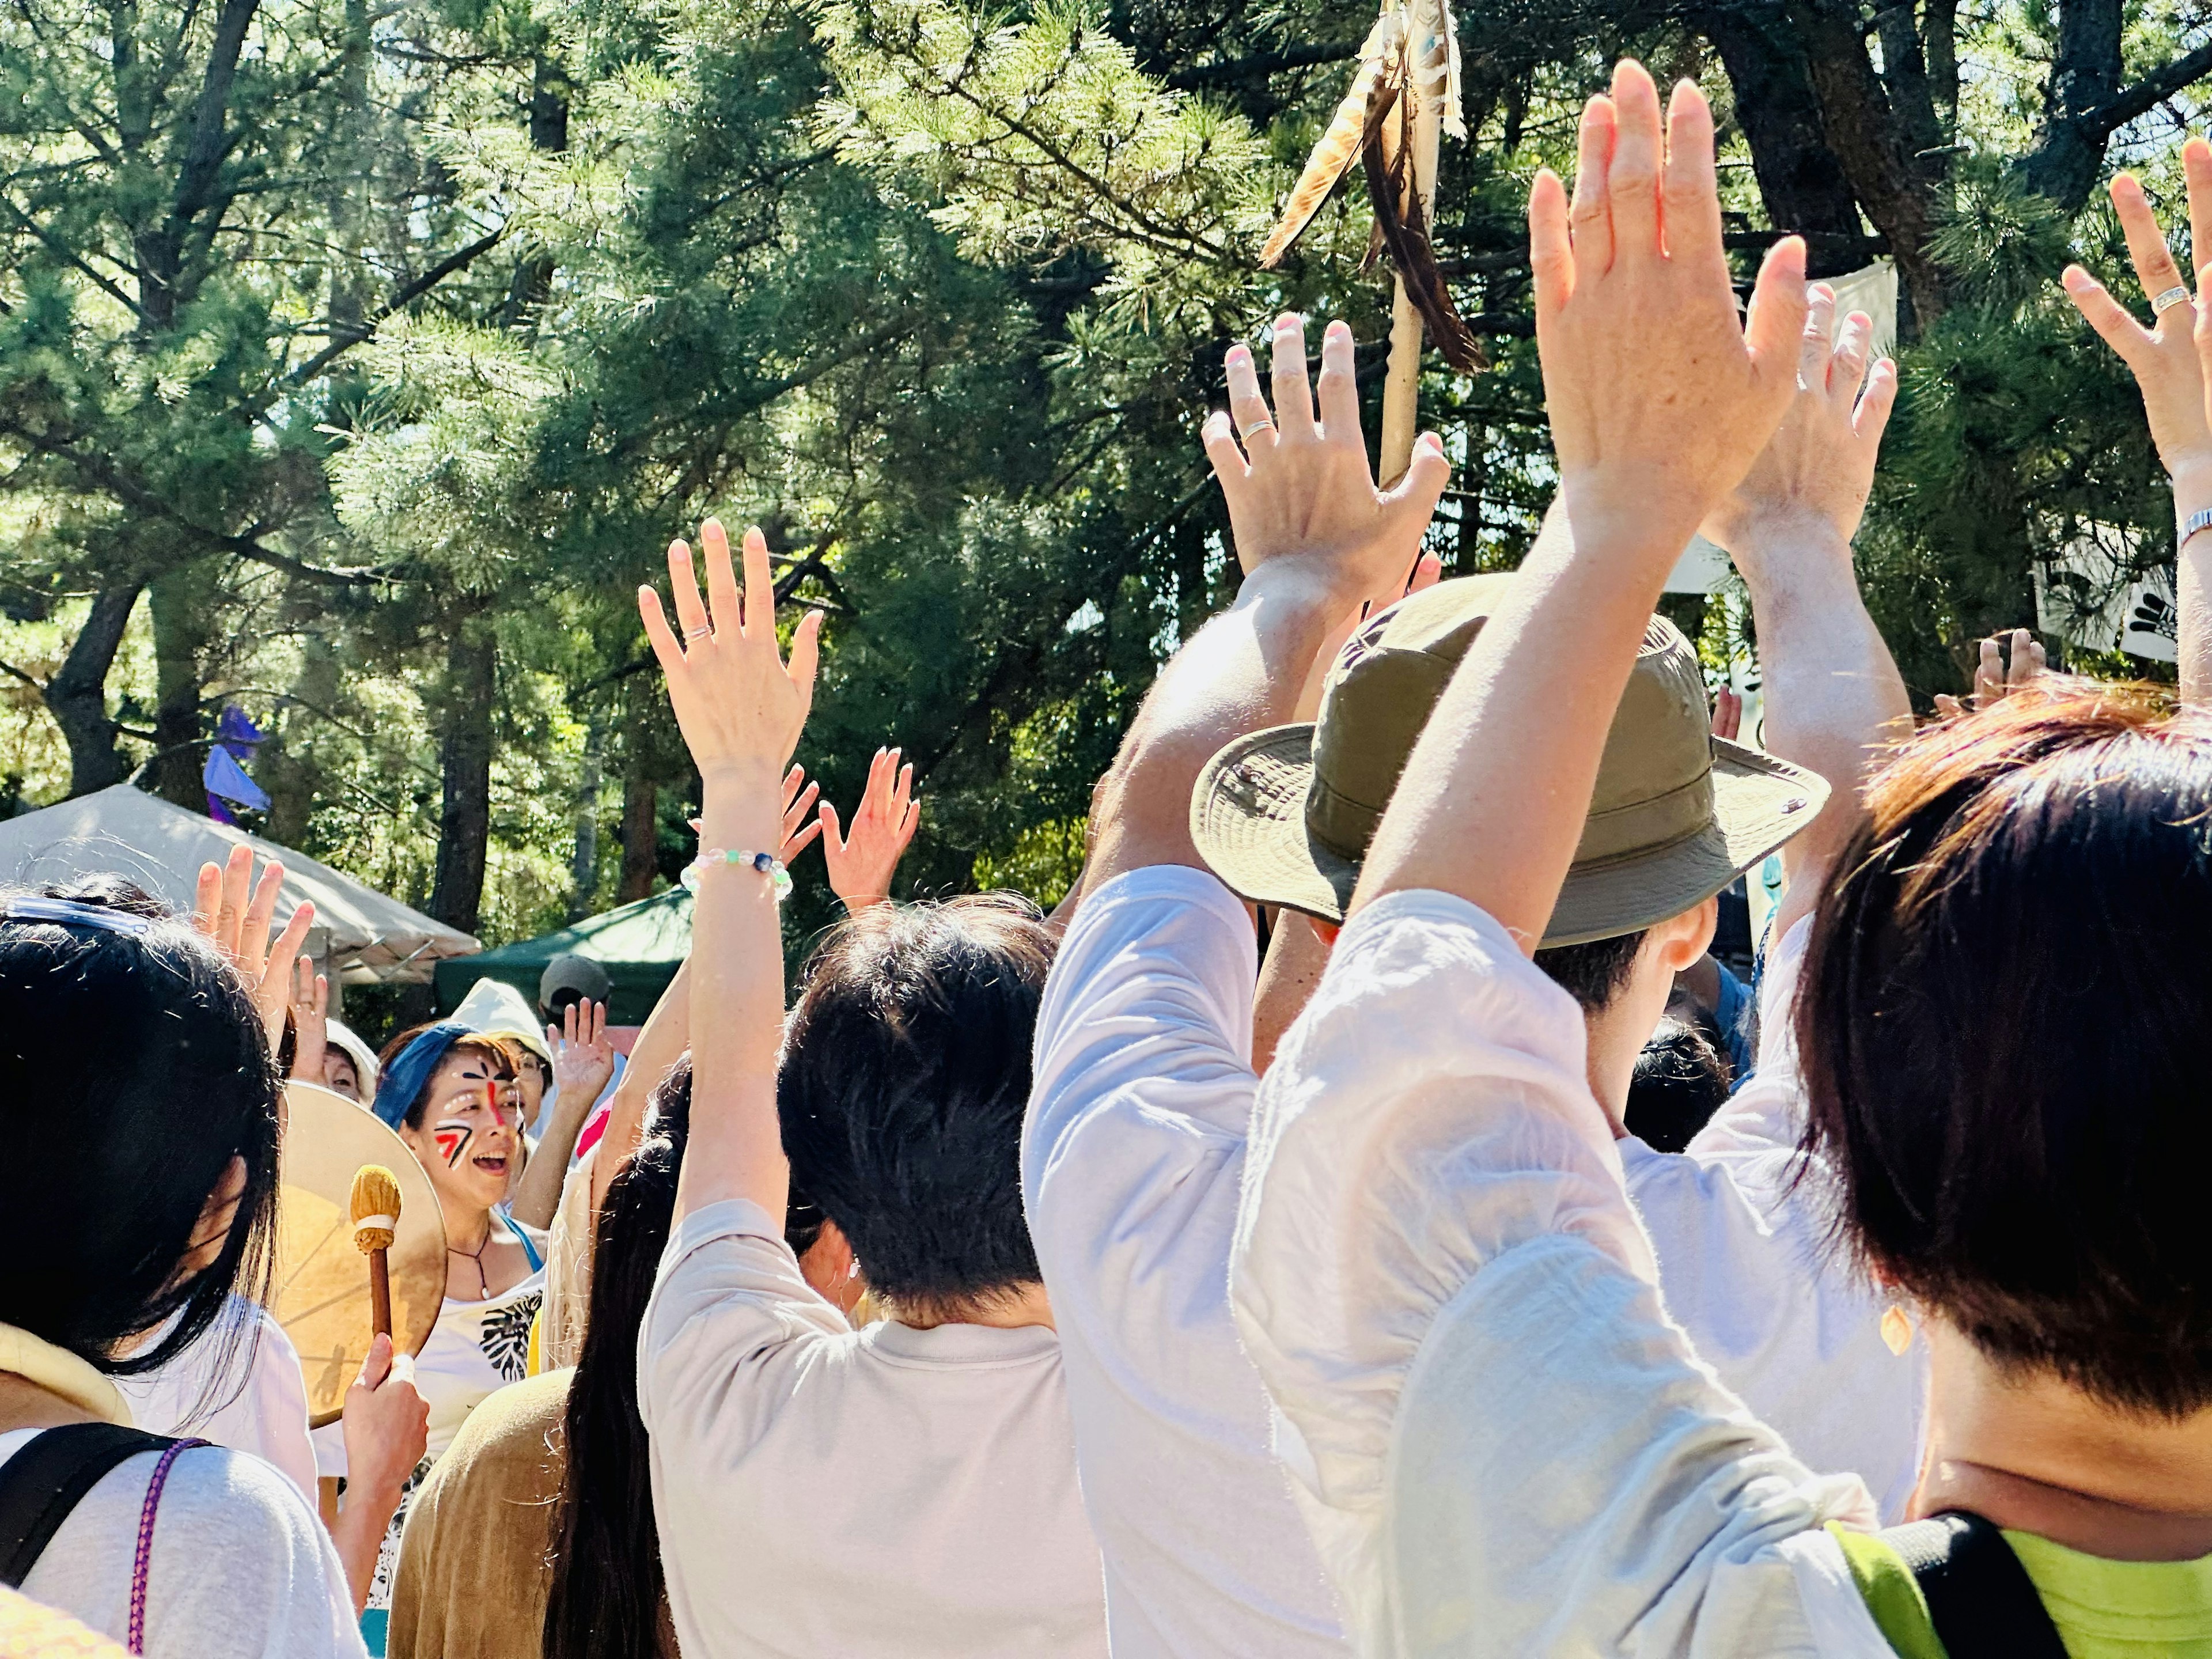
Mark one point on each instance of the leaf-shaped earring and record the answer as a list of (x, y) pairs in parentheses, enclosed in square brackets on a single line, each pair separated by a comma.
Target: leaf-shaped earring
[(1896, 1329)]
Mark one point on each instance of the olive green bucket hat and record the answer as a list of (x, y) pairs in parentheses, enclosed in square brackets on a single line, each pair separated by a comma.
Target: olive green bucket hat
[(1284, 816)]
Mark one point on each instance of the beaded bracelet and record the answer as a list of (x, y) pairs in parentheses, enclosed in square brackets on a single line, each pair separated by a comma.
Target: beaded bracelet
[(767, 864)]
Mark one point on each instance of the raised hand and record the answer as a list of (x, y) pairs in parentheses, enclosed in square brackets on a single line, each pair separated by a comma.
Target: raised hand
[(234, 912), (583, 1056), (311, 1020), (860, 864), (1997, 674), (1659, 398), (2164, 358), (1817, 470), (1297, 482), (739, 706)]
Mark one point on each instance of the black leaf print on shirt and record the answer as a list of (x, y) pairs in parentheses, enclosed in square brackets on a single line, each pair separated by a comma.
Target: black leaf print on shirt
[(506, 1337)]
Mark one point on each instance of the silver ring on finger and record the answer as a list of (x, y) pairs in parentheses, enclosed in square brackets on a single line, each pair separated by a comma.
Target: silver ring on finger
[(704, 631), (1257, 426), (2176, 296)]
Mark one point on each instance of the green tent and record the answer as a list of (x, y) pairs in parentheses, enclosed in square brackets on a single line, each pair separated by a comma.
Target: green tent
[(640, 945)]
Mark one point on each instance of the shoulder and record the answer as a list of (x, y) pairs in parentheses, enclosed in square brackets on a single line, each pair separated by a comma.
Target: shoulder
[(240, 1566), (522, 1421)]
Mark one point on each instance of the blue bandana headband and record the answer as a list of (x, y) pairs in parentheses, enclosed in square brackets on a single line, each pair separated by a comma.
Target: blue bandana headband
[(410, 1069)]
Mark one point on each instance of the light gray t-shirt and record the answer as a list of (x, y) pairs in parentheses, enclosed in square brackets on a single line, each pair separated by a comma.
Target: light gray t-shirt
[(885, 1493), (241, 1567)]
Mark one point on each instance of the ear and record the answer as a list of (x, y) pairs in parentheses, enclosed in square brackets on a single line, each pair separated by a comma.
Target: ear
[(1680, 940), (829, 1270)]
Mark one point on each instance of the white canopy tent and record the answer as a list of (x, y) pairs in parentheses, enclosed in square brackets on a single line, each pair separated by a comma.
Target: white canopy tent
[(360, 936)]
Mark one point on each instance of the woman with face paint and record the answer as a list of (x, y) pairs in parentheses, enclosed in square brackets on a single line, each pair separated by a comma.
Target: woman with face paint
[(451, 1094)]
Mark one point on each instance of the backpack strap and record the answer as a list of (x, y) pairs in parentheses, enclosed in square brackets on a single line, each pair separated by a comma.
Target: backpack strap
[(41, 1484), (1980, 1598)]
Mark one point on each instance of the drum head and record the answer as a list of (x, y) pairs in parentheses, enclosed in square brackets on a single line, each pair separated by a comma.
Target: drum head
[(321, 1290)]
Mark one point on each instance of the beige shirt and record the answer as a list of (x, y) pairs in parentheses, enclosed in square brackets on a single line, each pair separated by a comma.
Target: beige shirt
[(474, 1561), (886, 1493)]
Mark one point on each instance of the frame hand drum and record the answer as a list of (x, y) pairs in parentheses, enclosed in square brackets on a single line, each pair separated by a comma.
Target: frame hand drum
[(320, 1294)]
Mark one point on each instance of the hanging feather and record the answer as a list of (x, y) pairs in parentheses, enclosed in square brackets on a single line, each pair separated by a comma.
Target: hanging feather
[(1382, 57), (1403, 230)]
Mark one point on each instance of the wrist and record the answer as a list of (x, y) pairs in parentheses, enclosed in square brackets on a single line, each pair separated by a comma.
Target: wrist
[(2191, 479), (1302, 583), (1646, 519), (739, 777), (377, 1496)]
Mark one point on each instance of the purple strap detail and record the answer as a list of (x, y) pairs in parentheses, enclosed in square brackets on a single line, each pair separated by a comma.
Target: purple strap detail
[(145, 1558)]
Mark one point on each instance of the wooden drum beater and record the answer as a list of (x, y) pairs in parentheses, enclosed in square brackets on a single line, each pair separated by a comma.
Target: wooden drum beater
[(375, 1209)]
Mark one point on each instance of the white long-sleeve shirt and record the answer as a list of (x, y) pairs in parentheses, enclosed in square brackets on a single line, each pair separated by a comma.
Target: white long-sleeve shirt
[(1132, 1156), (1502, 1442)]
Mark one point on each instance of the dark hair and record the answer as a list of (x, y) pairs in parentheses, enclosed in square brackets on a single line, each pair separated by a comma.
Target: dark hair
[(133, 1069), (604, 1599), (1680, 1082), (1595, 973), (2003, 1022), (905, 1074), (500, 1054)]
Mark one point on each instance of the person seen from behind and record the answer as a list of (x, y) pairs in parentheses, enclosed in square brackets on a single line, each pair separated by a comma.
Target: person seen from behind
[(110, 1017), (909, 1489), (2011, 1151)]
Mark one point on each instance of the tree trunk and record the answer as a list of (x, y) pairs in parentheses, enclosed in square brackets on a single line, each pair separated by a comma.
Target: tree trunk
[(464, 758), (77, 696), (584, 867), (641, 814), (184, 608), (2068, 150), (1800, 182), (1891, 182)]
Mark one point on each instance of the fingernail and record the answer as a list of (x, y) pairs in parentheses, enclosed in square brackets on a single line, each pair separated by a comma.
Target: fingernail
[(2077, 279), (1339, 329)]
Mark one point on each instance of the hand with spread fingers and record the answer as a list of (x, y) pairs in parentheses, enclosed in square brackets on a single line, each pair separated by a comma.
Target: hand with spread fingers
[(2163, 357), (234, 913), (1299, 487), (737, 703), (583, 1055), (1817, 471), (861, 864), (2169, 361), (740, 706), (1660, 397), (1998, 673)]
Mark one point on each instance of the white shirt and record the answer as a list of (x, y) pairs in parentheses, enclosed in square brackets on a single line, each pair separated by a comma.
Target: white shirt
[(890, 1491), (241, 1567), (1748, 1269), (475, 1348), (239, 1385), (1504, 1446), (1131, 1160)]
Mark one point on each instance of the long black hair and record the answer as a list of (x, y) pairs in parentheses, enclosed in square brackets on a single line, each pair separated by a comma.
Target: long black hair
[(605, 1596), (133, 1069)]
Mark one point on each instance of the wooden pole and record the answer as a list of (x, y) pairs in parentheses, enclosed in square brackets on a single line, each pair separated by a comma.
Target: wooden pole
[(379, 1293), (1400, 389), (1428, 50)]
